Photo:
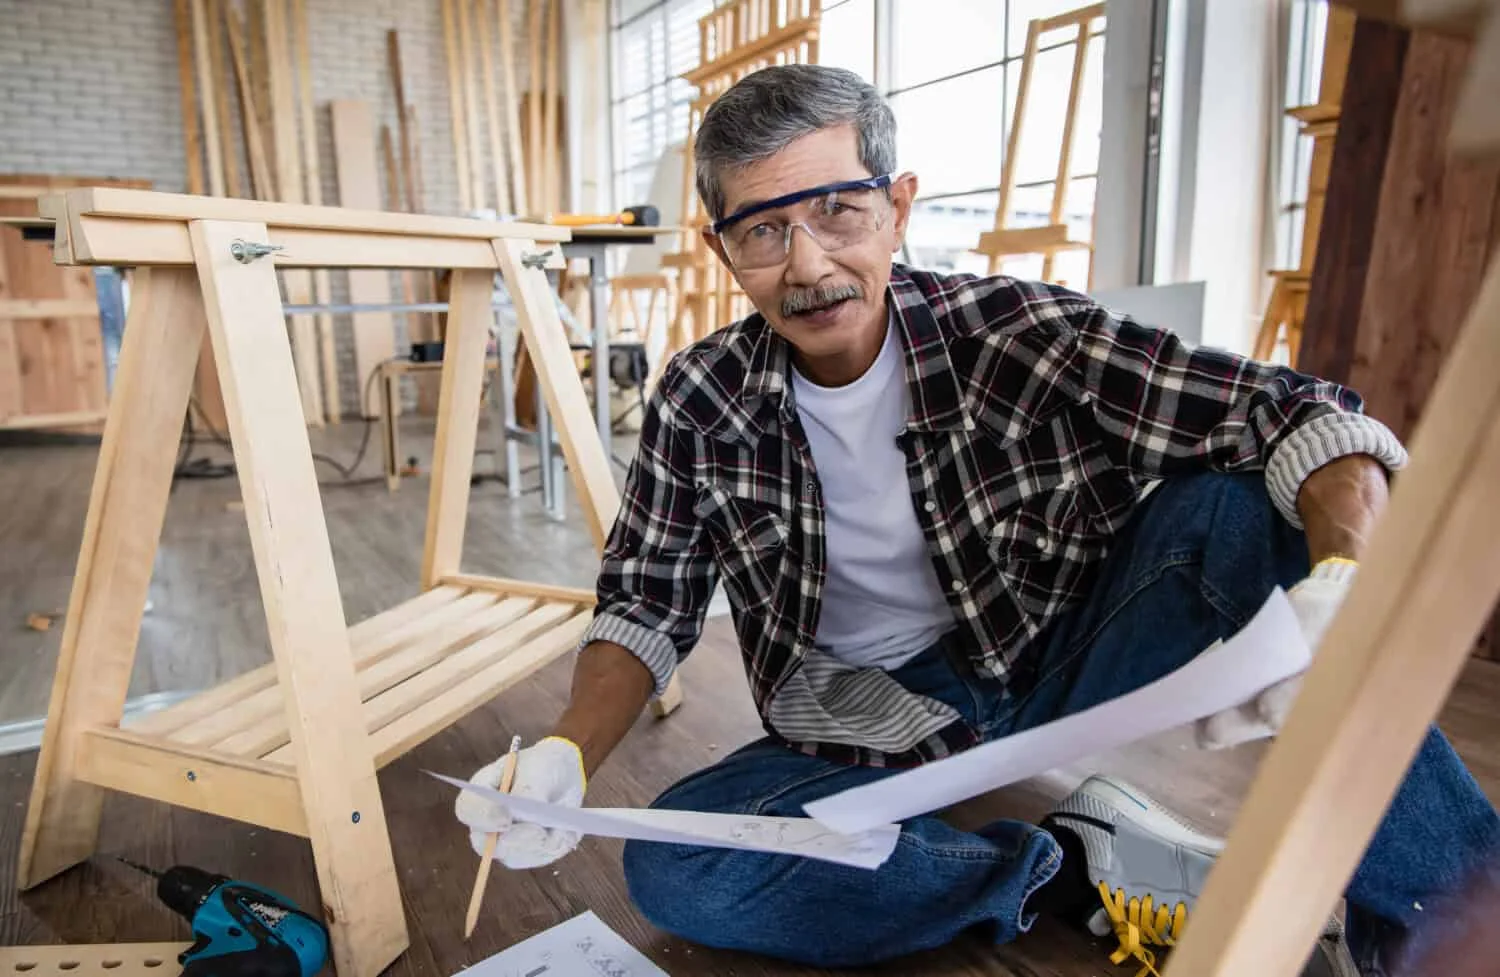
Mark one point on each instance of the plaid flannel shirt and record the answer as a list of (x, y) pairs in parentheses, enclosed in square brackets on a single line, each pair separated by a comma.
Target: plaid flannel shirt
[(1038, 419)]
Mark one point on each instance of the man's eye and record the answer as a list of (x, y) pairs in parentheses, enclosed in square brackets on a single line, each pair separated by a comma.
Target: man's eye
[(759, 231)]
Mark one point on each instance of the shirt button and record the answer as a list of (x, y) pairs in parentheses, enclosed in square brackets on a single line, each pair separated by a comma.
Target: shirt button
[(958, 586), (930, 506), (1043, 544)]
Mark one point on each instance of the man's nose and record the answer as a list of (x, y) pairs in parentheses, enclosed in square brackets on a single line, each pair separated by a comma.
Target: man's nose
[(806, 261)]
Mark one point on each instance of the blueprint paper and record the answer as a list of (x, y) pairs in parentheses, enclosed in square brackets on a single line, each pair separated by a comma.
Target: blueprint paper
[(581, 947), (1268, 649), (867, 848)]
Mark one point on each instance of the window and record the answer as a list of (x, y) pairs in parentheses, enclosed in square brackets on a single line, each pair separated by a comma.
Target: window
[(652, 44), (954, 93), (1304, 69), (846, 37), (952, 90)]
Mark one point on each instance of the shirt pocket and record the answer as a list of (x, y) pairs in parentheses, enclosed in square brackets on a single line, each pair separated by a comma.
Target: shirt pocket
[(749, 543), (1043, 544)]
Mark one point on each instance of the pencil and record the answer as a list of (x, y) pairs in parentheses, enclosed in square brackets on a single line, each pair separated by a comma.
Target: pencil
[(506, 777)]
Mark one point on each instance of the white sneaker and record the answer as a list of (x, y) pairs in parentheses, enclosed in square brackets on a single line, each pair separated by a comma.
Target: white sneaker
[(1149, 867)]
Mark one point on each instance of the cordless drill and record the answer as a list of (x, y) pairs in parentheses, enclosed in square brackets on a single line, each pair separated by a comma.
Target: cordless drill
[(239, 929)]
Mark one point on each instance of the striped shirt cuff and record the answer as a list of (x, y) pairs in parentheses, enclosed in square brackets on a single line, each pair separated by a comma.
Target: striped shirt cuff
[(655, 650), (1319, 441)]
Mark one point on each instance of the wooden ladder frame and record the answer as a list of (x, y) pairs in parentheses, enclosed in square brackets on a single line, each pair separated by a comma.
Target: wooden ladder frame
[(370, 692), (733, 40), (1053, 237), (1390, 657)]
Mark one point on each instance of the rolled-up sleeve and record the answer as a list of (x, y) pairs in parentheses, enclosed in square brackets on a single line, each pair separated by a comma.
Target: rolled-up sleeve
[(657, 574), (1169, 408)]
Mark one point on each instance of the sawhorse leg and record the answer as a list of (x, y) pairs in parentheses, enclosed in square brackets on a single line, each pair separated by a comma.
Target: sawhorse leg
[(127, 506), (304, 614)]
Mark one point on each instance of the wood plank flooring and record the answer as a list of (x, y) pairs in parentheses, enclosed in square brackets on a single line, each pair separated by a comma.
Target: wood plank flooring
[(205, 624)]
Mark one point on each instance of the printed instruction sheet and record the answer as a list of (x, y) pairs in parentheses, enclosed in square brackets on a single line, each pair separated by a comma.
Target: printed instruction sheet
[(581, 947)]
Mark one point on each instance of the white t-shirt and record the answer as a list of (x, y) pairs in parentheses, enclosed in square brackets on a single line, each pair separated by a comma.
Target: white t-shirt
[(882, 603)]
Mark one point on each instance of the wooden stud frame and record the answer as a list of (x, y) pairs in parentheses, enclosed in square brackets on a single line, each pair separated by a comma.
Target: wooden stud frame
[(1430, 580), (294, 745)]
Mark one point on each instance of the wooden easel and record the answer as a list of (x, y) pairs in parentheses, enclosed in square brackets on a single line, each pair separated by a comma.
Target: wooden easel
[(1430, 580), (734, 40), (1287, 307), (1053, 237), (293, 745)]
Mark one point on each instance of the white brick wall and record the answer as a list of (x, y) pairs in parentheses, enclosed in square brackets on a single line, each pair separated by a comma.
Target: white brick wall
[(89, 87)]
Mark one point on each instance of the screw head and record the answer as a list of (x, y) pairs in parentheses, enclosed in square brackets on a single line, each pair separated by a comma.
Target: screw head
[(191, 775), (355, 817)]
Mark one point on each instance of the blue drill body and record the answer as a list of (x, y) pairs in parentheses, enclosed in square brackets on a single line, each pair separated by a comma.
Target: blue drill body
[(239, 929)]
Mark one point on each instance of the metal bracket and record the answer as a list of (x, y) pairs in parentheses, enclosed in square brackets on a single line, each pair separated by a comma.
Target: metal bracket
[(248, 251), (536, 259)]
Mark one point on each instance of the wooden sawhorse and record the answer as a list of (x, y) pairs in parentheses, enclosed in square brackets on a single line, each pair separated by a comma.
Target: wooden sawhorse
[(293, 745)]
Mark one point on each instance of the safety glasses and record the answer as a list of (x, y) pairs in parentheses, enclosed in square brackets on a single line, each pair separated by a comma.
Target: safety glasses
[(836, 215)]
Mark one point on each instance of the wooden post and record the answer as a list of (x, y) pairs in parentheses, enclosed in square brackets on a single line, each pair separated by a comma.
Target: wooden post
[(132, 480), (263, 184), (471, 107), (192, 131), (459, 401), (535, 181), (551, 161), (304, 613), (233, 184), (451, 42), (206, 94), (512, 99), (492, 111)]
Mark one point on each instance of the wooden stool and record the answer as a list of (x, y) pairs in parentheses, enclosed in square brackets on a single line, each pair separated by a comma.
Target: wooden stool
[(293, 745)]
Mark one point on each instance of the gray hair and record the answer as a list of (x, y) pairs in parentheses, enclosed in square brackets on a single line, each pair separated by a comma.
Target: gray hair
[(768, 109)]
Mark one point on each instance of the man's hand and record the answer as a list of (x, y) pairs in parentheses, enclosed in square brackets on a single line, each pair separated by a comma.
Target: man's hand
[(610, 688), (550, 770), (1315, 601)]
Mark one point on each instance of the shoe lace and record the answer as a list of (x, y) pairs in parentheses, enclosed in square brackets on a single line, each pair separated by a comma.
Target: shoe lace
[(1138, 923)]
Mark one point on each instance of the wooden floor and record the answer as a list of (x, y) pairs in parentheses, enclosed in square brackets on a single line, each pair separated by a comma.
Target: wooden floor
[(205, 624)]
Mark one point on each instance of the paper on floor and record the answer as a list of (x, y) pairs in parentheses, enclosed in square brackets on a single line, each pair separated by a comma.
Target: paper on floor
[(867, 848), (581, 947), (1268, 649)]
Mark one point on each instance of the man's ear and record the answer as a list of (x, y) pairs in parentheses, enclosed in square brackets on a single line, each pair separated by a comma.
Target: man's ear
[(717, 246), (903, 191)]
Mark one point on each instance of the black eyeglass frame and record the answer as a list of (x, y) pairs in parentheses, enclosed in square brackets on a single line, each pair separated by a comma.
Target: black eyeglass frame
[(786, 200)]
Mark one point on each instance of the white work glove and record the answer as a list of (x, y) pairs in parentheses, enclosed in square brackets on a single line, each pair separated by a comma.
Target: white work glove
[(1315, 601), (549, 770)]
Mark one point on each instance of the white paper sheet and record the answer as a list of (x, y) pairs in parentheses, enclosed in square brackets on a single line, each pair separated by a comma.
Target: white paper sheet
[(581, 947), (1268, 649), (866, 848)]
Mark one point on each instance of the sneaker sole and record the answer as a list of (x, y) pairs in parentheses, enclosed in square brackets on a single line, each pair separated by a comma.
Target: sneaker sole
[(1150, 814)]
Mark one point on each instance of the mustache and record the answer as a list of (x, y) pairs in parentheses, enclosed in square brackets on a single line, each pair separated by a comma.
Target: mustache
[(805, 299)]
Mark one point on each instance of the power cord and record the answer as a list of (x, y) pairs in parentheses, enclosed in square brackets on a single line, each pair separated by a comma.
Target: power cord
[(204, 468)]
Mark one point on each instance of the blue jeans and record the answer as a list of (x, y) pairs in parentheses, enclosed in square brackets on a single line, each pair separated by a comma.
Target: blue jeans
[(1196, 562)]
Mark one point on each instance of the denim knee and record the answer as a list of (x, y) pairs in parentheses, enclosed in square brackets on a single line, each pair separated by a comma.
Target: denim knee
[(659, 878)]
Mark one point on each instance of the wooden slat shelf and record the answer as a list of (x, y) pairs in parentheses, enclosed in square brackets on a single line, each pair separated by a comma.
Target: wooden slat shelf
[(420, 666)]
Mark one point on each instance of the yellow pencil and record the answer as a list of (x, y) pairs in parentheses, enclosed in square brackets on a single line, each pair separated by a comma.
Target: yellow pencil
[(506, 777)]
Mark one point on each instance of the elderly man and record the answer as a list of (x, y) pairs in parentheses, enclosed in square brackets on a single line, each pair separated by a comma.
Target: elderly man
[(946, 509)]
